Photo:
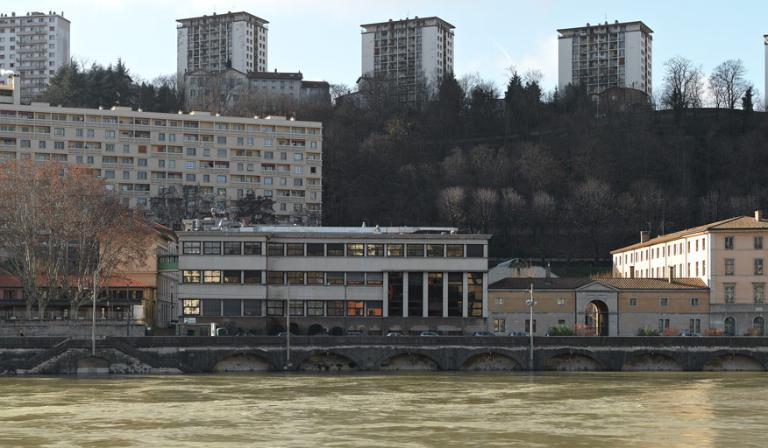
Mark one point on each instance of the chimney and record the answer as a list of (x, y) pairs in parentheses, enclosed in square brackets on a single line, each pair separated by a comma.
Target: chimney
[(548, 274), (644, 236), (758, 215)]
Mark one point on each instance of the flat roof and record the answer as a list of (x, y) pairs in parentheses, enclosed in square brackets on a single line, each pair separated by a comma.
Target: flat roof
[(214, 15), (603, 25), (340, 232), (407, 19)]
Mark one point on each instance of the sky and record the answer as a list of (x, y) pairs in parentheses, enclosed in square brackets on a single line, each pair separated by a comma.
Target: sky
[(321, 38)]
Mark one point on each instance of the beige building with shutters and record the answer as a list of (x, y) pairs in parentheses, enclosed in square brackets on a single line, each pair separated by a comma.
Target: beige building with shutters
[(728, 256)]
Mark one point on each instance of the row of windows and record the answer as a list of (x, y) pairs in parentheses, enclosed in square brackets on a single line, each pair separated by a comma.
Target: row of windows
[(236, 277), (257, 307), (758, 292), (757, 266), (333, 249), (663, 301), (665, 251)]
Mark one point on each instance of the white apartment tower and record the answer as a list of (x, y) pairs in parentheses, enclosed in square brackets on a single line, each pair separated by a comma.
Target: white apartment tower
[(235, 40), (606, 55), (415, 53), (34, 45)]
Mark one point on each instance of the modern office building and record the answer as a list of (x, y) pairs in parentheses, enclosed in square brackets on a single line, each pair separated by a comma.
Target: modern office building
[(599, 307), (335, 279), (728, 256), (606, 55), (213, 43), (412, 54), (34, 45), (194, 157)]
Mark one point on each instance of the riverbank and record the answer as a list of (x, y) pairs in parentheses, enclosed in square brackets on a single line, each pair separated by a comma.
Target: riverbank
[(148, 355)]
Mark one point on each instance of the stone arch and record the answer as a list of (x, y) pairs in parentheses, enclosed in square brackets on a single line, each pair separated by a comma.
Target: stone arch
[(315, 329), (758, 326), (596, 318), (327, 362), (490, 362), (92, 365), (409, 362), (729, 326), (651, 362), (572, 362), (733, 362), (242, 362)]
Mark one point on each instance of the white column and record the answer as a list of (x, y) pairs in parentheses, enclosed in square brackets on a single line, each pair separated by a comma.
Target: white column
[(424, 295), (445, 294), (464, 295), (405, 294), (385, 286), (485, 295)]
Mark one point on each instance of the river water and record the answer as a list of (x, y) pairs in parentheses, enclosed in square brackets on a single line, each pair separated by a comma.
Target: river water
[(402, 410)]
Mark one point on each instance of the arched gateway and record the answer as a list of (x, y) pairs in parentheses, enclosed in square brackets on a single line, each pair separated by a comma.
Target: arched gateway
[(596, 318)]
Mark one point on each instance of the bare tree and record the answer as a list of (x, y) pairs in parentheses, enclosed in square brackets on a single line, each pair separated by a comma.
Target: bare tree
[(485, 202), (451, 205), (683, 85), (727, 83)]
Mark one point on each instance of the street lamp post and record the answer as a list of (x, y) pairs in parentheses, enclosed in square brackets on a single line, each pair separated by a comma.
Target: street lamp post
[(288, 335), (531, 303)]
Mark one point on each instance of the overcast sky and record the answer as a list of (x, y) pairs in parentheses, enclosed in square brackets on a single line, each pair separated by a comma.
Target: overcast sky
[(322, 37)]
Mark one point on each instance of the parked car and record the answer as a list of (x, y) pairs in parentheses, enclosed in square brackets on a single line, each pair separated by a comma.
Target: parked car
[(429, 333), (394, 333), (689, 333), (355, 333), (518, 333), (482, 333)]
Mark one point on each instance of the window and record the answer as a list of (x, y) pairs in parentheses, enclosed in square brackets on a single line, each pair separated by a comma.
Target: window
[(212, 307), (231, 307), (251, 307), (252, 277), (275, 278), (295, 278), (394, 250), (251, 248), (275, 249), (335, 249), (694, 301), (435, 250), (729, 242), (663, 325), (475, 251), (232, 277), (561, 301), (315, 278), (355, 308), (211, 276), (758, 292), (315, 249), (374, 279), (729, 326), (528, 326), (334, 308), (499, 326), (729, 292), (211, 247), (355, 250), (415, 250), (499, 301), (191, 307), (758, 242), (315, 308), (374, 308), (275, 308), (355, 278), (335, 278), (232, 248), (295, 249), (455, 250), (191, 247), (375, 250), (729, 266), (758, 266), (633, 301), (694, 325), (191, 276), (296, 307), (664, 301)]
